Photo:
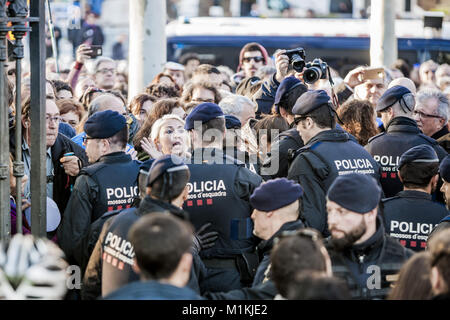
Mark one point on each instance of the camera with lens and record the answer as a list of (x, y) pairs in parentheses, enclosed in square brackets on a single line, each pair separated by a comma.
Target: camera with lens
[(315, 70), (296, 58)]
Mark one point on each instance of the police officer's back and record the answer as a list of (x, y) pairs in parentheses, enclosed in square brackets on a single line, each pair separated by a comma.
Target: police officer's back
[(360, 251), (109, 183), (328, 153), (276, 165), (396, 106), (411, 215), (220, 187)]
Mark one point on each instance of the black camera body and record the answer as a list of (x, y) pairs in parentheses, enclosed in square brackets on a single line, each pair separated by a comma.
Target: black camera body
[(315, 70), (296, 58)]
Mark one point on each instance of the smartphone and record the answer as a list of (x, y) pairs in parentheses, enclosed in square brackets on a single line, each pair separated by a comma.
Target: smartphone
[(372, 73), (96, 51)]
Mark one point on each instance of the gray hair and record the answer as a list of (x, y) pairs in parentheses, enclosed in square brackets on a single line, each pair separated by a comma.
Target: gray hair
[(443, 104), (233, 104), (101, 60)]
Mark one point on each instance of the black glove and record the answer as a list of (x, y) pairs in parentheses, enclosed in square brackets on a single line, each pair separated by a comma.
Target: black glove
[(204, 240)]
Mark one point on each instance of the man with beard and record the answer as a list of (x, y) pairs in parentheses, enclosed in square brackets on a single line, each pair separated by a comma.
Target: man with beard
[(360, 251), (404, 216)]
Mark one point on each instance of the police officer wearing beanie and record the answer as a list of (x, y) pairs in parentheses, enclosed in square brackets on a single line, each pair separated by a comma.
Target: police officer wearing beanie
[(411, 214), (220, 188), (276, 204), (166, 191), (396, 106), (358, 241), (328, 153), (277, 163), (109, 183), (444, 172)]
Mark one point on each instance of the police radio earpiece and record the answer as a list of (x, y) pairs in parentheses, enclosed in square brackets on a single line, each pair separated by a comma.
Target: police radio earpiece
[(407, 102)]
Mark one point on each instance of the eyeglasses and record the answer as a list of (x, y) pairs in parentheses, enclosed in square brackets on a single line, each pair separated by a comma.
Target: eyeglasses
[(203, 100), (104, 71), (55, 119), (85, 139), (256, 59), (425, 115), (309, 233)]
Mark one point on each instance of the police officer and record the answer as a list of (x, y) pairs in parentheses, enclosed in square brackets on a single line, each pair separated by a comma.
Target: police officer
[(220, 188), (360, 251), (110, 265), (277, 163), (444, 171), (396, 106), (109, 183), (411, 214), (328, 153), (276, 206)]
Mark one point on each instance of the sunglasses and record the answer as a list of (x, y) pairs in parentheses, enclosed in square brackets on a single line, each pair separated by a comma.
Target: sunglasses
[(257, 59), (298, 119)]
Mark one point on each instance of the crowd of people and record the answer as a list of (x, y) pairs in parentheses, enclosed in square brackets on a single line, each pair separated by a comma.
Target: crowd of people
[(246, 185)]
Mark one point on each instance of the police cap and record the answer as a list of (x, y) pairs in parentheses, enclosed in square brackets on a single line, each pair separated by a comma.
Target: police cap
[(275, 194), (391, 96), (167, 163), (104, 124), (204, 112), (310, 101), (421, 154), (145, 166), (285, 86), (444, 169), (231, 122), (355, 192)]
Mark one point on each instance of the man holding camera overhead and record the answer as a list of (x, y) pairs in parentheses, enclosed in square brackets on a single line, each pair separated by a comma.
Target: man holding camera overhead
[(327, 154)]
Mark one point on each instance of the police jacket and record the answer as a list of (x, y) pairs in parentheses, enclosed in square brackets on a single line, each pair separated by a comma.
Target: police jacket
[(276, 165), (367, 267), (265, 248), (219, 192), (327, 155), (105, 273), (62, 182), (107, 185), (252, 162), (401, 135), (443, 224), (152, 290), (410, 216)]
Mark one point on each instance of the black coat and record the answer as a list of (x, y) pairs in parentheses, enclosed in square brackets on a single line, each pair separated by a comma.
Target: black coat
[(61, 182)]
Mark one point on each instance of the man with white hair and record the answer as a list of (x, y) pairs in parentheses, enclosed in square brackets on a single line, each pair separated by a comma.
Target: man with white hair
[(176, 71), (105, 73), (244, 109), (431, 115)]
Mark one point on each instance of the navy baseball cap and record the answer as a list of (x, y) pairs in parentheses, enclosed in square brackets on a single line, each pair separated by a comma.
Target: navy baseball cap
[(167, 163), (275, 194), (422, 153), (310, 101), (444, 169), (390, 97), (104, 124), (203, 113), (231, 122), (285, 86), (356, 192)]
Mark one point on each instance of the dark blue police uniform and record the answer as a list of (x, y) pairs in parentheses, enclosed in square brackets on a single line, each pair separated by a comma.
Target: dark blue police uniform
[(107, 185), (219, 192), (327, 155)]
